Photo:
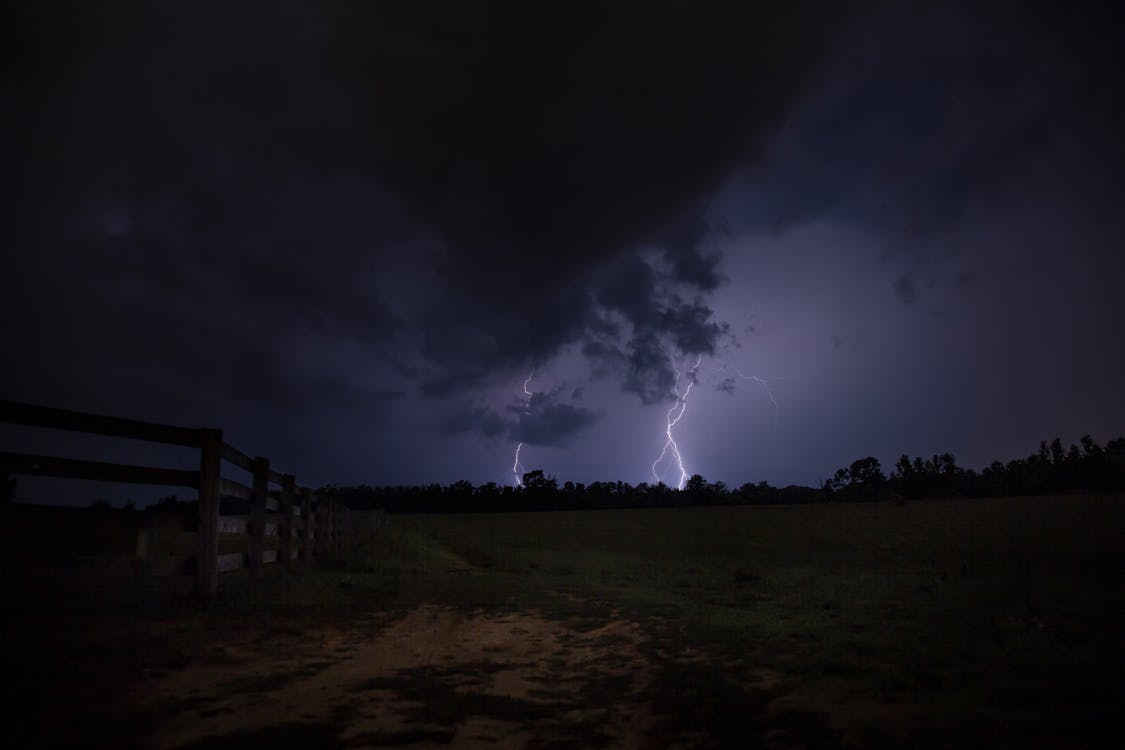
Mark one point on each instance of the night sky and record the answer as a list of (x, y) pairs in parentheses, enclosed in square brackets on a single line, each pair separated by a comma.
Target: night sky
[(347, 233)]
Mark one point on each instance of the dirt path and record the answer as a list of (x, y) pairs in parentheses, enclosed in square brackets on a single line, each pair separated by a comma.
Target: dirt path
[(434, 677), (441, 677)]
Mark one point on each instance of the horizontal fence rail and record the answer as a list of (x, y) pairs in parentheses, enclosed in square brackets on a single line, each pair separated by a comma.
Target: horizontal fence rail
[(14, 412), (69, 468), (300, 526)]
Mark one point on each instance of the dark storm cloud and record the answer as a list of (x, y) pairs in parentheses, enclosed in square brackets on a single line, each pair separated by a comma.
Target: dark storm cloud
[(643, 294), (552, 134), (553, 424), (904, 288), (543, 420), (687, 251), (630, 288), (692, 327), (978, 96), (604, 358), (475, 419), (290, 150), (269, 208), (535, 169), (651, 374), (963, 161)]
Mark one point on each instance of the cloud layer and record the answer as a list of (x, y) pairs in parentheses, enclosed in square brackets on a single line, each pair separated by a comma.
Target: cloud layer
[(440, 185)]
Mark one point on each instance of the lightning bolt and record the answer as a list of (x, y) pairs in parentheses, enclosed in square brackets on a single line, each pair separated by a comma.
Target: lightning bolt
[(673, 417), (766, 386), (517, 467)]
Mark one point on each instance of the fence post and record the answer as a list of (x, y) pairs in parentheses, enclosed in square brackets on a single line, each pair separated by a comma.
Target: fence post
[(341, 527), (285, 527), (146, 544), (321, 517), (207, 538), (323, 534), (261, 491), (306, 514), (337, 527), (337, 542)]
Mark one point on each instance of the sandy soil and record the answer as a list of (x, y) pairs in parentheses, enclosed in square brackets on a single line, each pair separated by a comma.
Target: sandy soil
[(434, 677)]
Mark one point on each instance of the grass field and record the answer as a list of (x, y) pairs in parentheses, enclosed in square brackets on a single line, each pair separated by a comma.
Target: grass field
[(938, 624)]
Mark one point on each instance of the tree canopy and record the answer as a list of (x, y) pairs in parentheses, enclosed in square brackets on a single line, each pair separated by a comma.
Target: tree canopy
[(1052, 469)]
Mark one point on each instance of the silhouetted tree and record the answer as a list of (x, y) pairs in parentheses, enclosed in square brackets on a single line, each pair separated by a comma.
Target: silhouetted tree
[(1053, 467), (860, 481), (537, 481)]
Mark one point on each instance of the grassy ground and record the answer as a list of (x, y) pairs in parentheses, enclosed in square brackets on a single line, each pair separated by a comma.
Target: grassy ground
[(993, 619), (946, 623)]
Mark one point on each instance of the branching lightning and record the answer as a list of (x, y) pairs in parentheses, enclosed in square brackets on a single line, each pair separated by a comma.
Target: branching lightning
[(517, 467), (765, 383), (673, 417)]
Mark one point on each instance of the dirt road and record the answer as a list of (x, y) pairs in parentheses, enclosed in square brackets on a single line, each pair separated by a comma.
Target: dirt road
[(437, 677)]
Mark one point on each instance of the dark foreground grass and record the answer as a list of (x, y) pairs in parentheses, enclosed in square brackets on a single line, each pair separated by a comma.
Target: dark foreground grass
[(951, 621), (946, 623)]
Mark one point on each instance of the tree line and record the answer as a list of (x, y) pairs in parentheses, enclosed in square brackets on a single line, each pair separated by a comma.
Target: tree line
[(543, 492), (1053, 469)]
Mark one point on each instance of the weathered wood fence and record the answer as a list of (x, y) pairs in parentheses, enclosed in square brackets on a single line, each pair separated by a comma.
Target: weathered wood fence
[(306, 527)]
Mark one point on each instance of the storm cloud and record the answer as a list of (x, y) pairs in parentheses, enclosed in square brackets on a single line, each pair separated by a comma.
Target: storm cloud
[(543, 419), (354, 229), (304, 159)]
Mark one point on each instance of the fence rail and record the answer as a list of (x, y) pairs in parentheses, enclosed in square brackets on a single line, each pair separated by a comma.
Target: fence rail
[(306, 527)]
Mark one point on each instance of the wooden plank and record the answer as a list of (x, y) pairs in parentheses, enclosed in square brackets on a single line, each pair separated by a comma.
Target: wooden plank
[(285, 509), (231, 561), (276, 477), (69, 468), (306, 511), (269, 556), (337, 525), (321, 517), (230, 488), (207, 536), (15, 412), (324, 519), (261, 470), (233, 524), (238, 458)]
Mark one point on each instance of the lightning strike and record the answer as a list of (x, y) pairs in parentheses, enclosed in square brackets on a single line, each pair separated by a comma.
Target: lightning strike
[(517, 467), (674, 415)]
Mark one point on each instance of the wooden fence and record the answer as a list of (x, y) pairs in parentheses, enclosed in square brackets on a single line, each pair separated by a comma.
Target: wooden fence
[(305, 527)]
